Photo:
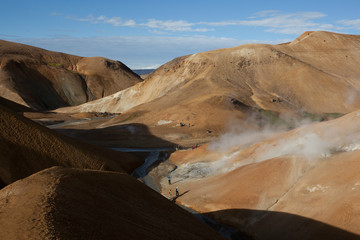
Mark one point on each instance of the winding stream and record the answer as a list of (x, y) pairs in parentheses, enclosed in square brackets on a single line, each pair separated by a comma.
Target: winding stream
[(161, 154)]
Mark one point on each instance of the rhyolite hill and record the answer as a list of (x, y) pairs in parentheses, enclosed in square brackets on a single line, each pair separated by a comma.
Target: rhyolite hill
[(46, 80), (315, 75)]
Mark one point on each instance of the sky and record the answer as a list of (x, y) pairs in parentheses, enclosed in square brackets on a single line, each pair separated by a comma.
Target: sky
[(146, 34)]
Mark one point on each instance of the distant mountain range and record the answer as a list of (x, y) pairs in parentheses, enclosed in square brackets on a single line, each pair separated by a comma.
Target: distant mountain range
[(143, 71)]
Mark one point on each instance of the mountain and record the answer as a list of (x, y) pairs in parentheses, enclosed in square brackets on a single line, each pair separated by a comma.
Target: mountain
[(317, 66), (298, 184), (45, 80), (143, 71), (316, 74)]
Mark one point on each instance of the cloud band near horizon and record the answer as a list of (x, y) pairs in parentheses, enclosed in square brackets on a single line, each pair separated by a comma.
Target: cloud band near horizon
[(173, 38), (271, 20), (138, 52)]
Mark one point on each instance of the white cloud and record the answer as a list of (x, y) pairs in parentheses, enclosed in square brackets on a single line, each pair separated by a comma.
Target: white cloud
[(134, 51), (115, 21), (355, 23), (129, 23), (174, 26), (169, 25), (101, 17), (271, 20), (286, 20), (265, 13)]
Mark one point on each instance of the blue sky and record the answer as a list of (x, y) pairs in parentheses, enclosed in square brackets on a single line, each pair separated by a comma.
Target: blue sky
[(147, 34)]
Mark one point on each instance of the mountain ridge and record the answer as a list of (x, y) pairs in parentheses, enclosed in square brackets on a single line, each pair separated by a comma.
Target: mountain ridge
[(45, 80)]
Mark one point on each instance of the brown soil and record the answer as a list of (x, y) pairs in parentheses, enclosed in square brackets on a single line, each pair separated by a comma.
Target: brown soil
[(286, 195), (66, 204)]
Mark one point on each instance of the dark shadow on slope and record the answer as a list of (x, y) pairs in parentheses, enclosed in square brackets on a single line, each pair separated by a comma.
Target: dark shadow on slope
[(121, 136), (18, 162), (173, 199), (2, 184), (27, 147), (33, 87), (135, 138), (15, 106), (260, 224)]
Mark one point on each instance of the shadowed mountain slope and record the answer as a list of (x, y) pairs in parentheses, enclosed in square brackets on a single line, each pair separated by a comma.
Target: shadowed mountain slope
[(27, 147), (45, 80), (18, 108), (74, 204), (282, 225)]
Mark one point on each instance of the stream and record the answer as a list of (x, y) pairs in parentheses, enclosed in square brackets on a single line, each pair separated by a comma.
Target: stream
[(157, 155), (153, 157)]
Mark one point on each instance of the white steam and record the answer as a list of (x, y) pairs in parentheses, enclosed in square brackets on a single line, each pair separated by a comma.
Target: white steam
[(238, 147), (248, 132), (235, 138)]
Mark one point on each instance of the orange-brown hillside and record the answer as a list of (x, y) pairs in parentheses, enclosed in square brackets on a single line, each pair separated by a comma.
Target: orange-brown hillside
[(45, 80), (27, 147), (315, 68), (316, 73), (299, 184), (66, 204)]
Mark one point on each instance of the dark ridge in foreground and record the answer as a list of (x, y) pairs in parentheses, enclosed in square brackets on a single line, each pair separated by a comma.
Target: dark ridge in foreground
[(70, 204)]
